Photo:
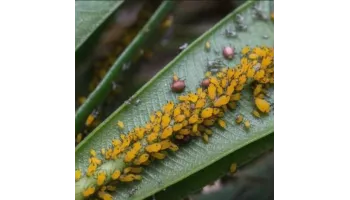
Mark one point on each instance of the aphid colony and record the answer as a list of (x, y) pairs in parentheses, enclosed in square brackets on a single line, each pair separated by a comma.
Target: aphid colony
[(191, 117)]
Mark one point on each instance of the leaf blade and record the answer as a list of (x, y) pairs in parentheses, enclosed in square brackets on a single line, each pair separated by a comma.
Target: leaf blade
[(89, 15), (190, 63)]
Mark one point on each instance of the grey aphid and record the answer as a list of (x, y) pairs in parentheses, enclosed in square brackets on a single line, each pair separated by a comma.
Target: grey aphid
[(184, 46), (239, 18), (114, 85), (126, 66), (230, 33), (137, 102)]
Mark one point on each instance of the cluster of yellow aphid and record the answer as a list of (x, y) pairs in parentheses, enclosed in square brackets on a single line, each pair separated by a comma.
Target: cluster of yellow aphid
[(192, 116)]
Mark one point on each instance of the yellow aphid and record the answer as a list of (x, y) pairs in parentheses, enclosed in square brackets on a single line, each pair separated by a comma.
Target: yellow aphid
[(230, 73), (177, 111), (250, 73), (224, 70), (271, 16), (95, 160), (239, 119), (177, 126), (187, 113), (195, 128), (230, 89), (151, 137), (136, 146), (259, 51), (212, 91), (223, 100), (137, 177), (101, 177), (208, 74), (205, 138), (81, 100), (259, 74), (184, 123), (208, 131), (192, 97), (262, 105), (221, 114), (207, 45), (168, 107), (159, 114), (153, 147), (136, 170), (129, 156), (165, 144), (219, 90), (90, 119), (242, 79), (156, 128), (222, 123), (79, 137), (239, 87), (179, 137), (108, 154), (199, 91), (147, 162), (185, 131), (246, 124), (183, 98), (200, 103), (88, 191), (216, 111), (261, 96), (127, 178), (224, 82), (111, 188), (232, 105), (235, 97), (257, 89), (105, 196), (209, 122), (148, 127), (193, 119), (220, 75), (174, 147), (207, 112), (140, 133), (266, 61), (158, 155), (180, 118), (238, 73), (214, 81), (103, 151), (93, 152), (165, 120), (256, 113), (142, 159), (253, 56), (167, 132), (77, 174), (152, 117), (116, 174), (233, 168), (120, 124), (175, 77), (245, 50)]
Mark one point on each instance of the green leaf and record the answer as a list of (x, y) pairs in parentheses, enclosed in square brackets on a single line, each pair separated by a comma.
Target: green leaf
[(191, 64), (89, 15)]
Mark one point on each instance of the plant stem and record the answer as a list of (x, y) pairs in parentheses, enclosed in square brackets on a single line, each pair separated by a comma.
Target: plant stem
[(103, 88)]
